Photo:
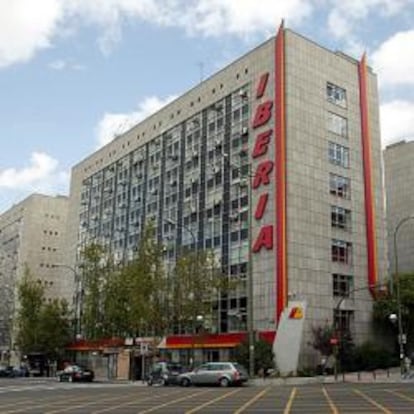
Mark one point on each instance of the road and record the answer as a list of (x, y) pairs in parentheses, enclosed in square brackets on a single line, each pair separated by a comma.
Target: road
[(50, 397)]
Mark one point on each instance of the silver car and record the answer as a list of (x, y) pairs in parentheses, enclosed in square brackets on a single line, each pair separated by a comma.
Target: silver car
[(215, 373)]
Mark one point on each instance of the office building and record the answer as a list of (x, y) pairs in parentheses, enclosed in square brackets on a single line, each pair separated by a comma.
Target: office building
[(31, 235), (287, 136), (399, 185)]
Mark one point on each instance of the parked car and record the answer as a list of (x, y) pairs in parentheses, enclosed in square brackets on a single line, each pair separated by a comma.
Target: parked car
[(21, 371), (164, 373), (73, 373), (215, 373), (6, 371)]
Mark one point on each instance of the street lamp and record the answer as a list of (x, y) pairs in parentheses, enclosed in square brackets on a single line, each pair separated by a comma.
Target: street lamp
[(77, 299), (401, 338), (250, 312), (194, 317), (336, 325)]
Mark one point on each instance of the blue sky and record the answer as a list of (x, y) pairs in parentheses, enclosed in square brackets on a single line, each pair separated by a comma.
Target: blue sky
[(73, 73)]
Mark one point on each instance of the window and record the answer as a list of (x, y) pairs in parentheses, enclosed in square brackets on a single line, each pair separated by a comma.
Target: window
[(336, 94), (338, 155), (337, 124), (339, 186), (342, 285), (341, 218), (343, 320), (341, 251)]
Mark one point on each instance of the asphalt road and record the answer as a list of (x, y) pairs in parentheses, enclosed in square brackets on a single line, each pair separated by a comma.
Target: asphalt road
[(48, 396)]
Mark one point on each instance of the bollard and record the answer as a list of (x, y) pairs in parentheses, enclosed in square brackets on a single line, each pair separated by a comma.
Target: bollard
[(374, 374), (359, 376)]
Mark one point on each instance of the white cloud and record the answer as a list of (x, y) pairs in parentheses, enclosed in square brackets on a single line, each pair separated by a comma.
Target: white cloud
[(112, 125), (397, 121), (346, 14), (41, 173), (26, 26), (394, 59)]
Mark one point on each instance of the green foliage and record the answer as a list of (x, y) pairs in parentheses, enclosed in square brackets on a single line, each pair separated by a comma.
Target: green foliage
[(138, 298), (370, 356), (322, 339), (96, 265), (194, 285), (41, 327), (387, 305), (263, 355)]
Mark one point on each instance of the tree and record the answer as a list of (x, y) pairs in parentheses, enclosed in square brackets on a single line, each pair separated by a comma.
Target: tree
[(41, 327), (322, 336), (96, 267), (30, 295), (387, 305), (263, 355), (196, 286)]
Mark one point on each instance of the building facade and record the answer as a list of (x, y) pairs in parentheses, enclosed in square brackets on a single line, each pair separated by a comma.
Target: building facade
[(274, 163), (32, 235), (399, 184)]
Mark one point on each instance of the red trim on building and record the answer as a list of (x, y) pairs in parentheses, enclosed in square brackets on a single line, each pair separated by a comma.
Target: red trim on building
[(280, 173), (96, 345), (367, 165), (224, 340)]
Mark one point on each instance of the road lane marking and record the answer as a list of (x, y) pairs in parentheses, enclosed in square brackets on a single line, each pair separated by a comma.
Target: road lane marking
[(251, 401), (401, 395), (373, 402), (75, 407), (124, 404), (46, 402), (330, 402), (156, 407), (290, 401), (212, 401)]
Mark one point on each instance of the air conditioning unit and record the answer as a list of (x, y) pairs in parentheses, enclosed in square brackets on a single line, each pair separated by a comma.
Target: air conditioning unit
[(243, 94), (173, 183), (217, 142), (174, 157), (234, 217), (245, 131), (195, 153)]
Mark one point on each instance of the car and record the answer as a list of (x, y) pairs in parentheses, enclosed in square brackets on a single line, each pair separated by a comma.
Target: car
[(6, 371), (75, 373), (164, 373), (215, 373)]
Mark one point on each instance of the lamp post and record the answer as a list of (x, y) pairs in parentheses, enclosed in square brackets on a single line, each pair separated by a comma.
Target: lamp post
[(77, 300), (337, 327), (250, 312), (401, 339), (194, 317)]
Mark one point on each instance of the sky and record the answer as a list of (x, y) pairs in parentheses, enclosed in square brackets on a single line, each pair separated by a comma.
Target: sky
[(74, 73)]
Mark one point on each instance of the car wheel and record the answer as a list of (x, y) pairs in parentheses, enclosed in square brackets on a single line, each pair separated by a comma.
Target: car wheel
[(185, 382), (224, 382)]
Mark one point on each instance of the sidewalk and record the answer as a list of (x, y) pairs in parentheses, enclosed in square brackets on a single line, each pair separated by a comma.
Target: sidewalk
[(379, 376)]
